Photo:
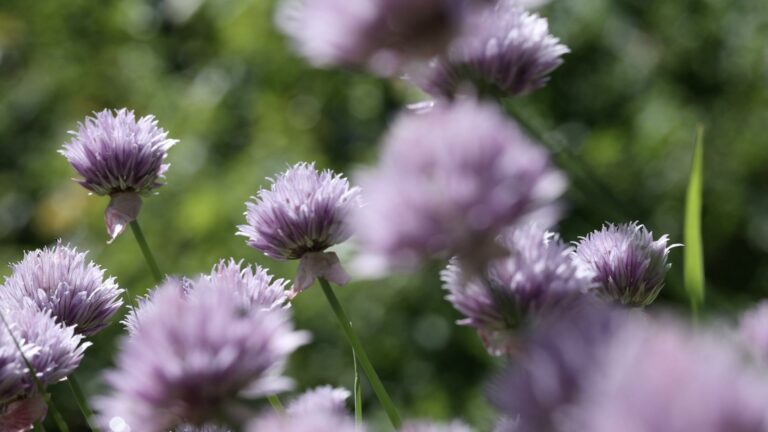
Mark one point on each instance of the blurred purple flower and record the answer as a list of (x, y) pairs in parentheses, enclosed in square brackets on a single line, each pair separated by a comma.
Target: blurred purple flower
[(253, 284), (378, 34), (449, 181), (556, 356), (626, 263), (427, 426), (59, 279), (320, 399), (662, 377), (193, 356), (119, 156), (503, 49), (536, 274), (147, 305), (302, 214), (753, 328)]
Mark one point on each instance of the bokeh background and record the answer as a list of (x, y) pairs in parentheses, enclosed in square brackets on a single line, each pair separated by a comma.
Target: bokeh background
[(620, 114)]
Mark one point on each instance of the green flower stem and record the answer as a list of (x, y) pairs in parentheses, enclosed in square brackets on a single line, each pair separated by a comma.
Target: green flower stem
[(82, 402), (362, 356), (274, 400), (57, 418), (358, 394), (148, 257), (38, 427)]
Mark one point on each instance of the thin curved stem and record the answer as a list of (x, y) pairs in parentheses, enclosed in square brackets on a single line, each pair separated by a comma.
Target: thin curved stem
[(148, 257), (362, 356), (358, 394), (82, 402), (274, 400)]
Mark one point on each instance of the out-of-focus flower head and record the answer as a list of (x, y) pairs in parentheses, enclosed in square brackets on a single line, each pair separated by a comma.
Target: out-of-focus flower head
[(324, 398), (537, 274), (318, 410), (427, 426), (381, 35), (753, 328), (503, 49), (626, 263), (449, 181), (120, 156), (303, 213), (193, 356), (146, 305), (20, 415), (548, 374), (61, 280), (658, 376)]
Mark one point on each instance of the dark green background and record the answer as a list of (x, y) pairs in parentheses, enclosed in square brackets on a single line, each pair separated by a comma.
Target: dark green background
[(641, 75)]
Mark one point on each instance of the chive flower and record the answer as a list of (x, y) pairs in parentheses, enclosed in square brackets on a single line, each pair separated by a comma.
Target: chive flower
[(318, 410), (753, 329), (301, 215), (503, 49), (625, 262), (536, 274), (121, 156), (61, 280), (194, 357), (448, 182)]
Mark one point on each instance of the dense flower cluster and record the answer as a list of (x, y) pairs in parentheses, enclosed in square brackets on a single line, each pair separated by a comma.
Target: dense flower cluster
[(503, 49), (537, 274), (625, 262), (193, 355), (119, 156), (61, 280), (449, 181)]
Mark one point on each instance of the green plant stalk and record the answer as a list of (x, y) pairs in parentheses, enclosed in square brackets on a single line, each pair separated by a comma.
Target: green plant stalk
[(57, 417), (38, 427), (358, 394), (148, 257), (82, 402), (362, 356), (693, 253), (274, 400)]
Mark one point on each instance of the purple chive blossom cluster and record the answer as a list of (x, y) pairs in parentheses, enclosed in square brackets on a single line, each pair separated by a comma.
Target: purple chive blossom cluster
[(536, 274), (427, 426), (118, 155), (378, 34), (301, 215), (194, 357), (625, 262), (449, 181), (503, 49), (753, 329), (318, 410), (61, 280)]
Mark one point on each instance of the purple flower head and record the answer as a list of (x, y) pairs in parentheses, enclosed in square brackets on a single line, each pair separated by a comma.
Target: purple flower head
[(379, 34), (120, 156), (662, 377), (53, 350), (427, 426), (449, 181), (536, 274), (548, 373), (193, 356), (254, 285), (304, 212), (320, 399), (147, 306), (626, 263), (61, 280), (753, 328), (503, 49)]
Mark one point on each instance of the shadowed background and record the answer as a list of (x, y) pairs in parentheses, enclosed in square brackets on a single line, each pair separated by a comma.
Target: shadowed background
[(622, 111)]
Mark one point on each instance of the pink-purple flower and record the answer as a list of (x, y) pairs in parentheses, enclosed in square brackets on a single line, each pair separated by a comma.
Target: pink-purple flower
[(121, 156), (448, 182), (503, 49), (61, 280)]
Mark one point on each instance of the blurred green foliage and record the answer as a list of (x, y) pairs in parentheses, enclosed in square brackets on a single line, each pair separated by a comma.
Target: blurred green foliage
[(641, 75)]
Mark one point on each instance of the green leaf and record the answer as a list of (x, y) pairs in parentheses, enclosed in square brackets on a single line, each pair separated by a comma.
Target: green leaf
[(693, 253)]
